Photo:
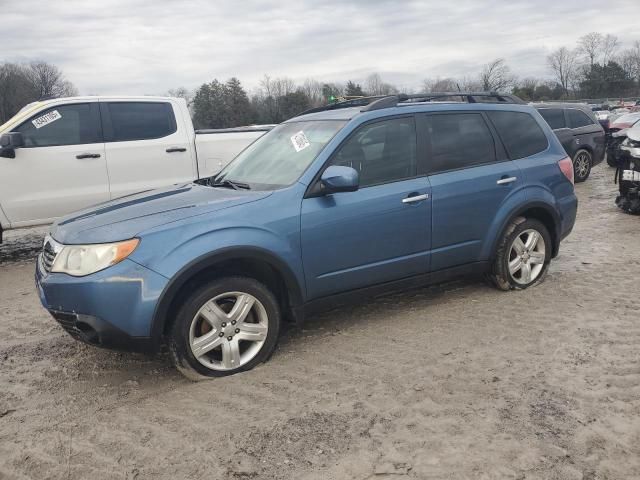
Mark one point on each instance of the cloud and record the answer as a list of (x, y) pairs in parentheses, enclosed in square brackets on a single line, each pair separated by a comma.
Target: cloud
[(142, 47)]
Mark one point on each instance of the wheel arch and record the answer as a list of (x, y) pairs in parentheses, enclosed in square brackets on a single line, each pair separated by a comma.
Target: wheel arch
[(540, 211), (249, 261)]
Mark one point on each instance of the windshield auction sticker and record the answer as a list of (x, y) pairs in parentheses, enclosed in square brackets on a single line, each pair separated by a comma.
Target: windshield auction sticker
[(46, 119), (300, 141)]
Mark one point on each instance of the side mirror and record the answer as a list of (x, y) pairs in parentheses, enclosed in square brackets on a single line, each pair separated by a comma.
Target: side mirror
[(9, 142), (339, 179)]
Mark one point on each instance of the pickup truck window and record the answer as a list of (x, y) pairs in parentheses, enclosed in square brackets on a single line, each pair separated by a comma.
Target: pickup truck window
[(381, 152), (278, 158), (74, 124), (126, 121)]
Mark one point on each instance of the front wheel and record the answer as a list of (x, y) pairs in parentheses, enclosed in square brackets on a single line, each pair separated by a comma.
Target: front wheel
[(523, 255), (581, 165), (227, 326)]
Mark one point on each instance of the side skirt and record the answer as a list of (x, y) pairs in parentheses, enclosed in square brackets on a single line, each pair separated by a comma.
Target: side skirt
[(382, 289)]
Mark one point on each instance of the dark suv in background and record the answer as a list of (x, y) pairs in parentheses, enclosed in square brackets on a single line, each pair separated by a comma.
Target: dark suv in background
[(579, 132)]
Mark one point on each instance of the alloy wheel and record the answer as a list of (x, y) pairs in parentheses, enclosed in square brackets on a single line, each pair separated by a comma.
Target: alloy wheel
[(581, 164), (527, 256), (228, 331)]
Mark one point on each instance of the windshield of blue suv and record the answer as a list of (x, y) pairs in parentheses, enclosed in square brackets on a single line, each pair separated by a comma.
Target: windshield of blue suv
[(280, 157)]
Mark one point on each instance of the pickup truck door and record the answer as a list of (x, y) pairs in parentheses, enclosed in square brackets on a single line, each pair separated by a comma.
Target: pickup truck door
[(147, 144), (61, 167)]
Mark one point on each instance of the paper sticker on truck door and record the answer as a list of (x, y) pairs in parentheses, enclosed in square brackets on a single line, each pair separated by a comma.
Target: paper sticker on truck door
[(46, 119)]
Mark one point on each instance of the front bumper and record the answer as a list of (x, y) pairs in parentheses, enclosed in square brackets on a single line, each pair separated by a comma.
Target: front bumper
[(112, 308)]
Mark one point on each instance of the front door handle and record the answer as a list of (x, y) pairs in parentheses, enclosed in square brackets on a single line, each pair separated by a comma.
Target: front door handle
[(87, 155), (415, 198), (504, 181), (176, 149)]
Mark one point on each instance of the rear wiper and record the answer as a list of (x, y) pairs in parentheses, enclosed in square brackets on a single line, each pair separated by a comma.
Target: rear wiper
[(230, 184)]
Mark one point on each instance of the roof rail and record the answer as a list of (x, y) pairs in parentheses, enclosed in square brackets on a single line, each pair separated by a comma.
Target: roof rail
[(354, 102), (469, 97), (378, 102)]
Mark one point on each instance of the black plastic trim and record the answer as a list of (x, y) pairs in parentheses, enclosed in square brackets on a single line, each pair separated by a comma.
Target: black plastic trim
[(206, 261)]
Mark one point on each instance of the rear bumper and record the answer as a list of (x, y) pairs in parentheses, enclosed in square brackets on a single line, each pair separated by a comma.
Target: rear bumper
[(568, 207), (113, 308)]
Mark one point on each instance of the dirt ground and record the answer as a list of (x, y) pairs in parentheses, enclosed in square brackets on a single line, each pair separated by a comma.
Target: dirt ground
[(458, 381)]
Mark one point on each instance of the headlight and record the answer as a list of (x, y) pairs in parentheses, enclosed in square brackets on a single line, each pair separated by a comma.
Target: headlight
[(81, 260)]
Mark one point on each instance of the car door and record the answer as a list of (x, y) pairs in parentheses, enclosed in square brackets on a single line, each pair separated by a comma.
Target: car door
[(587, 133), (557, 120), (379, 233), (146, 146), (470, 178), (61, 167)]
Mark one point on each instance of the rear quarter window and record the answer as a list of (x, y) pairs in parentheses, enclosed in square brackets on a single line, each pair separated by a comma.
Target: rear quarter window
[(520, 133)]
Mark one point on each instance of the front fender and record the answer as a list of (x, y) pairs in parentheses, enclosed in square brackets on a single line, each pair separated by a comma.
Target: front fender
[(195, 253)]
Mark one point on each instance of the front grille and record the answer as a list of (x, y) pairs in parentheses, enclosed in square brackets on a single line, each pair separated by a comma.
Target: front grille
[(49, 253)]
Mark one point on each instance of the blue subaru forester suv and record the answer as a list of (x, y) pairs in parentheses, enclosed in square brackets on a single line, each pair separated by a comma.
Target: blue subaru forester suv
[(365, 196)]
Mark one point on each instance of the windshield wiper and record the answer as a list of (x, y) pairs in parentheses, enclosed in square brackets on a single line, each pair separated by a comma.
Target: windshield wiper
[(230, 184)]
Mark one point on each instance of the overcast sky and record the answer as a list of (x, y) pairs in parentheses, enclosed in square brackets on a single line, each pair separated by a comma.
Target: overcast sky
[(148, 47)]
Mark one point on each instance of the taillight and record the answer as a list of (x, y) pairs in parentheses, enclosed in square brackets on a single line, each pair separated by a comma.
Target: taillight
[(566, 165)]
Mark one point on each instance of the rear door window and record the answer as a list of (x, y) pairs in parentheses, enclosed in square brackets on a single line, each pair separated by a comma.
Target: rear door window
[(126, 121), (520, 133), (554, 117), (578, 118), (458, 140), (73, 124)]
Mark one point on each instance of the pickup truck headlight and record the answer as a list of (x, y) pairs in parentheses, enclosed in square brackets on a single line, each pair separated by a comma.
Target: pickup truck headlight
[(81, 260)]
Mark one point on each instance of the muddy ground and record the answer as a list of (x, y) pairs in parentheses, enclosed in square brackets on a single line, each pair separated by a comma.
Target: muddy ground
[(456, 381)]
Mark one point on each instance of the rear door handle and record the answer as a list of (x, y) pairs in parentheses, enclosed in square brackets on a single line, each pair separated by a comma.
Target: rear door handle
[(176, 149), (504, 181), (87, 155), (415, 198)]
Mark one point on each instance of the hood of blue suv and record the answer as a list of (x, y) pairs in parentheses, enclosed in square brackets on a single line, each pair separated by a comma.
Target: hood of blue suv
[(127, 217)]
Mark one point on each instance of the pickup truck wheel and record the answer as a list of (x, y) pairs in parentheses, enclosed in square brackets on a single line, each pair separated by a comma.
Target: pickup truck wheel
[(523, 255), (227, 326), (581, 165)]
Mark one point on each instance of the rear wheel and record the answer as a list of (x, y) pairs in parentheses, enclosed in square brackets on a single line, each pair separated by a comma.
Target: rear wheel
[(227, 326), (581, 165), (523, 255)]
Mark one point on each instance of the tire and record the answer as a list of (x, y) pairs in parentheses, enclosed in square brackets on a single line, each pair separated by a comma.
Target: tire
[(537, 257), (582, 161), (212, 332)]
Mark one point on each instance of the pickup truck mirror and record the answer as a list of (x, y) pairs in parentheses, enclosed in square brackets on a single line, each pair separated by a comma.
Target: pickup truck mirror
[(339, 179), (9, 142)]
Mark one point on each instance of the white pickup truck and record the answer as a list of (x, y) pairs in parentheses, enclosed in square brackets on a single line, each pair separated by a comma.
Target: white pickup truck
[(62, 155)]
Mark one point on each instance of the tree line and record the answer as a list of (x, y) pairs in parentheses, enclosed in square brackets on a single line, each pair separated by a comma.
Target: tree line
[(595, 67)]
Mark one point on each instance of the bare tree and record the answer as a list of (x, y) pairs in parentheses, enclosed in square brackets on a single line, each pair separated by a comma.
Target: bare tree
[(590, 46), (48, 80), (440, 85), (313, 90), (181, 92), (563, 63), (496, 76), (374, 85), (630, 61), (610, 45)]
